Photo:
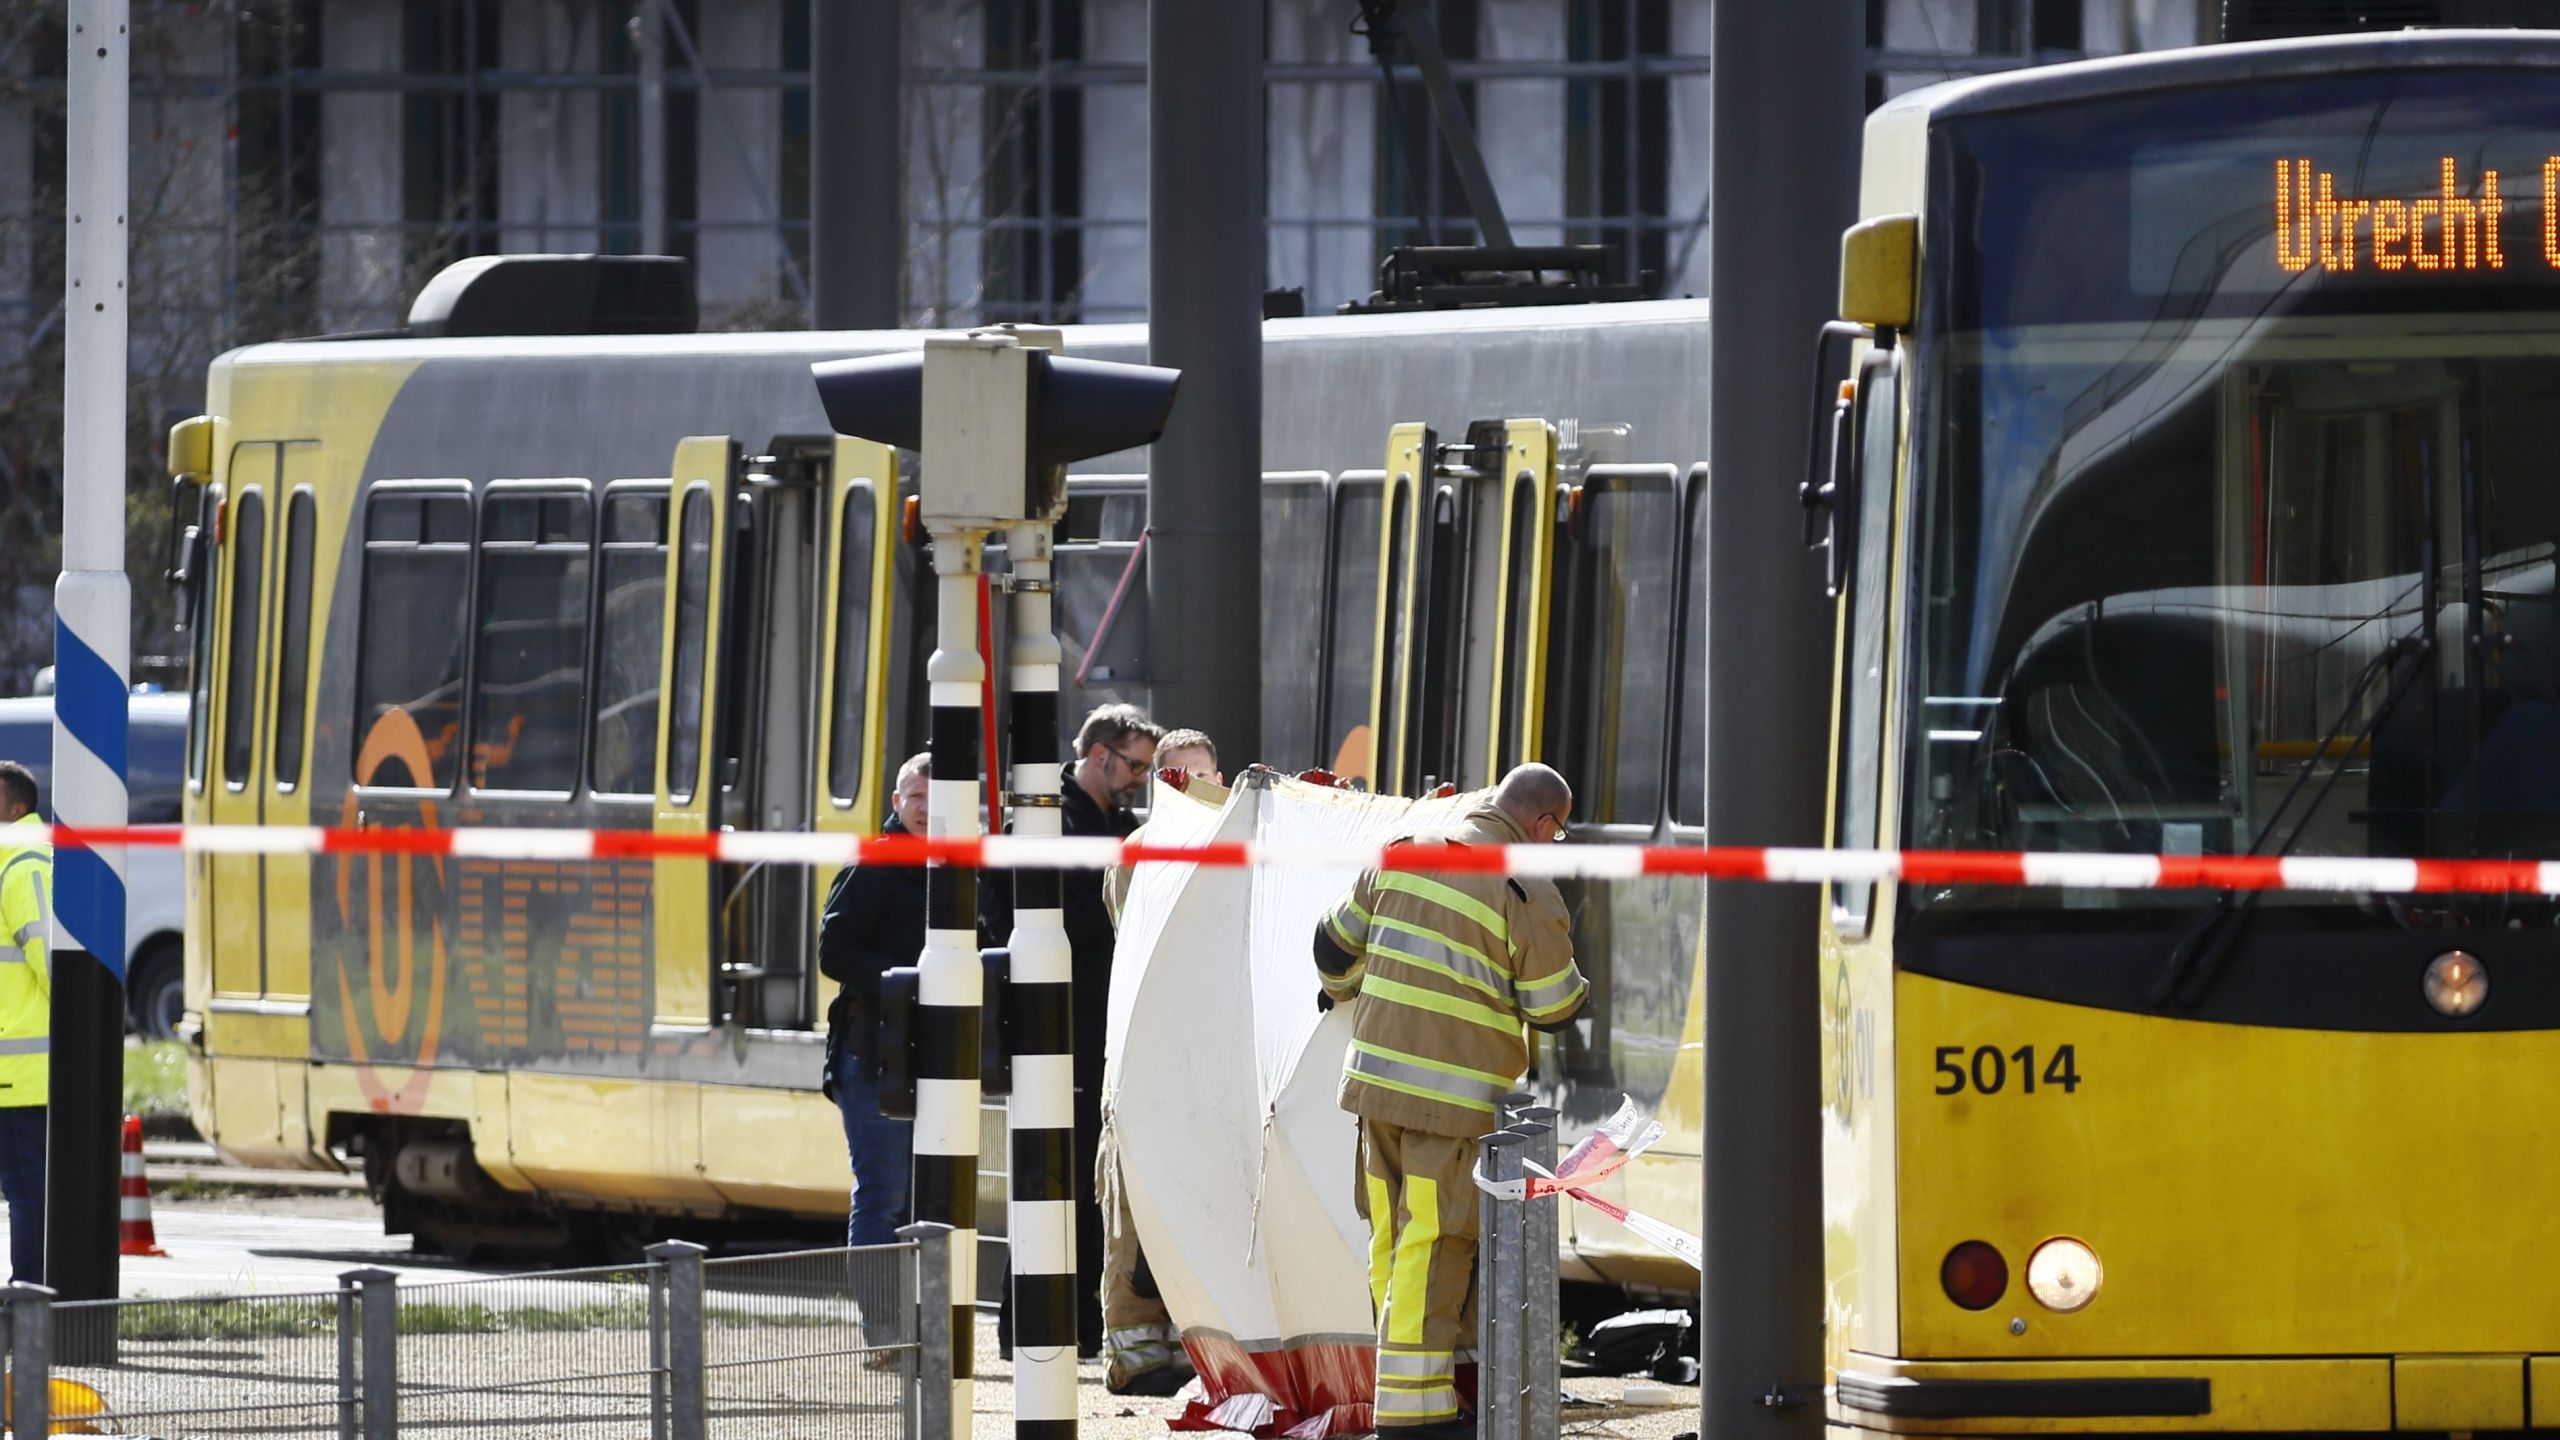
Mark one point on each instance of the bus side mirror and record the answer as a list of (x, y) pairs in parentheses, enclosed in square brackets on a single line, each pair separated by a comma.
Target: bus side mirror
[(1827, 489)]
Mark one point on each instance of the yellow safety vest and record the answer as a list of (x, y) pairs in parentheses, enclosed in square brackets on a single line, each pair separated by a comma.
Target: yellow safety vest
[(1448, 970), (26, 974)]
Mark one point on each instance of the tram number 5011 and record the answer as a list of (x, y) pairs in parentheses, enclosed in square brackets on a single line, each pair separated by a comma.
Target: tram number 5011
[(1988, 1069)]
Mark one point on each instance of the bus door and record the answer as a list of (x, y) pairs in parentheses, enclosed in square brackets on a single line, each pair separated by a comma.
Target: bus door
[(851, 787), (235, 788), (684, 897)]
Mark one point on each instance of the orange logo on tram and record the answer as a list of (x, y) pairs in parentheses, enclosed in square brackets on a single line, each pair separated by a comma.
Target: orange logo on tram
[(393, 963)]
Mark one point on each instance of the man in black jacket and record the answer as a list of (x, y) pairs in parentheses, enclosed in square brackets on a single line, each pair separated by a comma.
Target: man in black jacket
[(874, 923), (1115, 754)]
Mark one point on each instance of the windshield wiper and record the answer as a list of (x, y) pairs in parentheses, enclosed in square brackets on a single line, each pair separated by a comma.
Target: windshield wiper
[(2198, 956)]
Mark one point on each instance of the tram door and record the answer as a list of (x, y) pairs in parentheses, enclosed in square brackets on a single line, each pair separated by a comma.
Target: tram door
[(685, 891), (849, 792), (765, 707), (236, 789), (1464, 556)]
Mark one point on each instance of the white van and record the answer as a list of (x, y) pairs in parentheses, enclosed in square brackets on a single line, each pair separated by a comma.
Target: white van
[(155, 878)]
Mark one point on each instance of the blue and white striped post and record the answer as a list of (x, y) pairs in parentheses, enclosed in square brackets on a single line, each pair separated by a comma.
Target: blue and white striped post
[(92, 640)]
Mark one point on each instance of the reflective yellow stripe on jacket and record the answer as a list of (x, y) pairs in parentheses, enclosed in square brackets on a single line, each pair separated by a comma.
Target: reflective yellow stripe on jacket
[(1446, 967), (26, 977)]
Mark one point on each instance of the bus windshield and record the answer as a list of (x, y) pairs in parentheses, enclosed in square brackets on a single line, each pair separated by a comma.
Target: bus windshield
[(2235, 538)]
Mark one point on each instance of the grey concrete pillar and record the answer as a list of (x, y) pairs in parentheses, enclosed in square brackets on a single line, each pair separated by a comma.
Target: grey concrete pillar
[(1323, 163), (1520, 123), (1795, 70), (363, 279), (1115, 165), (550, 150), (1205, 271)]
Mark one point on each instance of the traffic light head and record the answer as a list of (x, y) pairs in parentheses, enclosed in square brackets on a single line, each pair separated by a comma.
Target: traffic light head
[(997, 420)]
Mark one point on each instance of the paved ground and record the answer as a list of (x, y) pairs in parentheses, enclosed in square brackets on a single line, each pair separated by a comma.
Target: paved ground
[(1104, 1416), (296, 1242)]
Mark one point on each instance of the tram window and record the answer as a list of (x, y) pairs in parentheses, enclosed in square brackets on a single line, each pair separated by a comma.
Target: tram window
[(1630, 534), (1689, 743), (1292, 617), (633, 625), (293, 641), (200, 643), (1387, 760), (693, 614), (1862, 729), (240, 679), (1520, 615), (854, 546), (412, 630), (1359, 507), (529, 678)]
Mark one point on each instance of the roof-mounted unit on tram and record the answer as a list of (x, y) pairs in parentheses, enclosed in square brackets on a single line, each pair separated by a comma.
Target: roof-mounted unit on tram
[(557, 295), (2296, 19)]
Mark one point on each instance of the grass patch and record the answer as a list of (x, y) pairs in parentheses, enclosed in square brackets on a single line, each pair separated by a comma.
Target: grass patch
[(155, 1078), (184, 1324)]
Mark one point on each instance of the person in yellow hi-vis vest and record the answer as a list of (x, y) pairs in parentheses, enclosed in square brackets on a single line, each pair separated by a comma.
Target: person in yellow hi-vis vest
[(1445, 970), (26, 1014)]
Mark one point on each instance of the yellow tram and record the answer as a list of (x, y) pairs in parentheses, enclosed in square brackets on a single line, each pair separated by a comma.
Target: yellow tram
[(630, 581), (2196, 500)]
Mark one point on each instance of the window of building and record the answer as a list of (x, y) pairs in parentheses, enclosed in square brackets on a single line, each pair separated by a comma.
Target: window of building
[(858, 535), (1420, 201), (293, 641), (412, 631), (632, 625), (2026, 27), (240, 679), (449, 131), (1617, 133), (1034, 250), (693, 616), (529, 679)]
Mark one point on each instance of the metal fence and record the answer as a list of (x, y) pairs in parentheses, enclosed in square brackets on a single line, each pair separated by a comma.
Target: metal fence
[(1518, 1325), (678, 1347)]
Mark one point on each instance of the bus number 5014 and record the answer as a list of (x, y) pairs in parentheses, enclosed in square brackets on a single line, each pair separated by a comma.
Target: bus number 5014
[(1989, 1070)]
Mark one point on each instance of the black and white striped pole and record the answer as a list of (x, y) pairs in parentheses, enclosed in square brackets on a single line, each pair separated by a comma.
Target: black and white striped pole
[(1041, 1113), (998, 419), (952, 984)]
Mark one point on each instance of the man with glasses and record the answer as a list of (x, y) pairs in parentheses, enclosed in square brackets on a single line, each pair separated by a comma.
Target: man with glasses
[(1115, 750), (1442, 970)]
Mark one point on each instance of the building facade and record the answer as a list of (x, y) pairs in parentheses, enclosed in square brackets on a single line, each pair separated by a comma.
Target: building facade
[(302, 166)]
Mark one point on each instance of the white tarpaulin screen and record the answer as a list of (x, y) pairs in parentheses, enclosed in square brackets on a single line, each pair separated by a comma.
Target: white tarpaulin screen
[(1221, 1077)]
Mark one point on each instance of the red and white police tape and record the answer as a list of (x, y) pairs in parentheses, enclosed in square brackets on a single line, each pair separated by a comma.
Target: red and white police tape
[(1589, 862)]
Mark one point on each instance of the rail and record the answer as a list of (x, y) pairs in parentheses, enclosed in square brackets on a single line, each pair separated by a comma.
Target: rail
[(835, 1343)]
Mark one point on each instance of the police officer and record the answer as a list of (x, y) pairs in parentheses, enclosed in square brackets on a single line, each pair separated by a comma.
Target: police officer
[(26, 1014), (1444, 969)]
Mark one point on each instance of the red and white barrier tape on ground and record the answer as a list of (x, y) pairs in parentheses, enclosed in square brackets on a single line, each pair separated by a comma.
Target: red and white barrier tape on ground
[(1588, 862), (1603, 1153)]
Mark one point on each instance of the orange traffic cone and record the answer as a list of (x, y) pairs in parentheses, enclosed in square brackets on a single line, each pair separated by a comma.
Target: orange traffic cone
[(133, 1227)]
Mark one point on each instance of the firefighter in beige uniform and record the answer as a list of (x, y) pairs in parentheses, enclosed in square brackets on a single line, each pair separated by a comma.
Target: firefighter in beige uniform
[(1447, 968)]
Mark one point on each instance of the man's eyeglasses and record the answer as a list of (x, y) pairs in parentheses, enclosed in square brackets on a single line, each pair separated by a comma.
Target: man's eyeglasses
[(1559, 837), (1135, 768)]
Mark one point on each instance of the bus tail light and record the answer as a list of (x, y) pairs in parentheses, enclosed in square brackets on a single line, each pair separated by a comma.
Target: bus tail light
[(1974, 1275)]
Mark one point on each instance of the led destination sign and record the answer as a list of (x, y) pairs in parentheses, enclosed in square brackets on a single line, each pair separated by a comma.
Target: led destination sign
[(2457, 226)]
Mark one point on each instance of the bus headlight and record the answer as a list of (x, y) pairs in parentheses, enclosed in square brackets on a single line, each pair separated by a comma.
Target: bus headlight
[(2457, 983), (2064, 1275)]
